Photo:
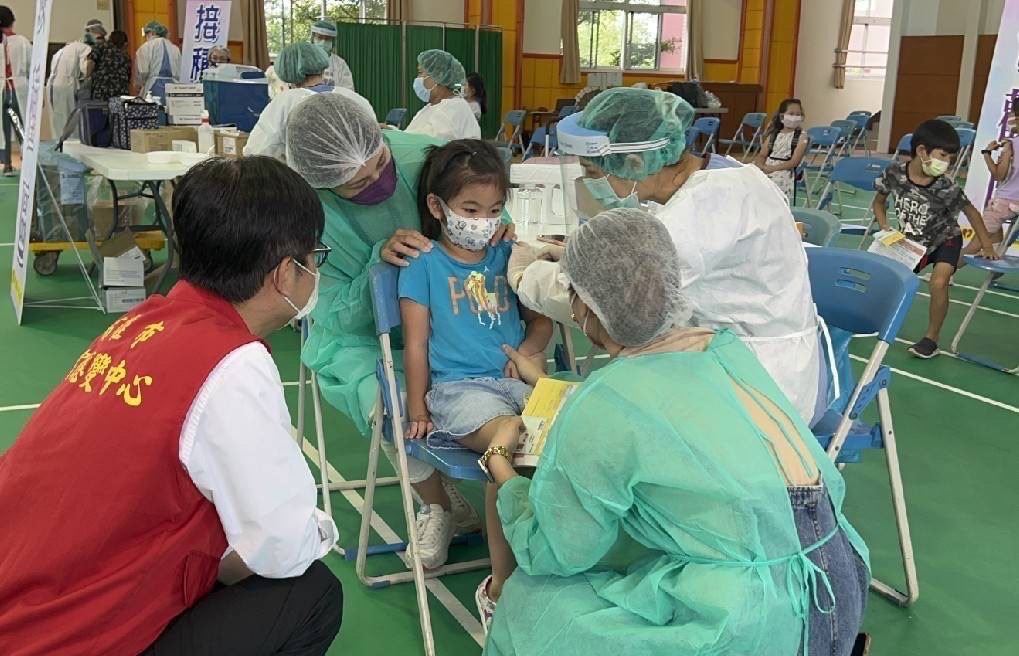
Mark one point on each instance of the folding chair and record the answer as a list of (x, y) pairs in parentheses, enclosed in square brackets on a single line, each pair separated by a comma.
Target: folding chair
[(848, 128), (1007, 264), (307, 378), (822, 142), (905, 146), (543, 138), (948, 117), (822, 226), (857, 173), (708, 126), (753, 121), (966, 138), (513, 138), (396, 116), (861, 118), (959, 123), (800, 182), (863, 293)]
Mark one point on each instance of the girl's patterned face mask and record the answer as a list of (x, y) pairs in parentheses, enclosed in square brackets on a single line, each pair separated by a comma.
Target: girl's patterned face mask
[(472, 233)]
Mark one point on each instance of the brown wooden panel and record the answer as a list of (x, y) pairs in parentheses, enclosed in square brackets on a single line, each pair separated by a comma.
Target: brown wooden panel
[(927, 81), (740, 99), (981, 70)]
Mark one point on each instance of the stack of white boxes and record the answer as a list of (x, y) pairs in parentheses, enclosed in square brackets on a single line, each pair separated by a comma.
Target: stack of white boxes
[(123, 273)]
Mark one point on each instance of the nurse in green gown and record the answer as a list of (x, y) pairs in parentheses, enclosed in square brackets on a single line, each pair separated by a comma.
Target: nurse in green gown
[(681, 505), (367, 180)]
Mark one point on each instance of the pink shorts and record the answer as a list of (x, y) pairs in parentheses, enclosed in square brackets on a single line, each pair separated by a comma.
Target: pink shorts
[(998, 211)]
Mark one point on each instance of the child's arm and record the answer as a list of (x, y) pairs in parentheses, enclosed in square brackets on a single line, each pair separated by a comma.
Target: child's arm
[(880, 210), (537, 335), (977, 221), (794, 161), (1000, 172), (764, 153), (415, 363)]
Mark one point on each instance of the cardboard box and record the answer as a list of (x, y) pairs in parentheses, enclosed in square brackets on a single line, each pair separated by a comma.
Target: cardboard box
[(122, 299), (147, 141), (231, 144), (123, 262), (185, 103), (132, 210)]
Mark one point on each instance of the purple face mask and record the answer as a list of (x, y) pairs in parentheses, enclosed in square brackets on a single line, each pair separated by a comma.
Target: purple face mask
[(379, 190)]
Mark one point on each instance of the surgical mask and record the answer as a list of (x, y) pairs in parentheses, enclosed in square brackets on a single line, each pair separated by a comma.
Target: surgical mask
[(312, 300), (792, 121), (421, 91), (380, 190), (89, 39), (934, 167), (607, 196), (325, 45), (470, 232)]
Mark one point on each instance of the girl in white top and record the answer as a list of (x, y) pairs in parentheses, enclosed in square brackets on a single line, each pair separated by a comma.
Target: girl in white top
[(784, 147), (440, 84), (157, 61), (475, 95)]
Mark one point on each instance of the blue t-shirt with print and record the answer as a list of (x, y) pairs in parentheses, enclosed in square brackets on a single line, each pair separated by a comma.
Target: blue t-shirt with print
[(468, 325)]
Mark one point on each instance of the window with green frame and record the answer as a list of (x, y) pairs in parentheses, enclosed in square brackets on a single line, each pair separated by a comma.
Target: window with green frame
[(289, 21)]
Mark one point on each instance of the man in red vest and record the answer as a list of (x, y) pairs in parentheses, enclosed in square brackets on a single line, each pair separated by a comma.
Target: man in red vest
[(156, 502)]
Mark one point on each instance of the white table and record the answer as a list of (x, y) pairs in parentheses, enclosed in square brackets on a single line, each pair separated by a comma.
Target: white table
[(118, 165)]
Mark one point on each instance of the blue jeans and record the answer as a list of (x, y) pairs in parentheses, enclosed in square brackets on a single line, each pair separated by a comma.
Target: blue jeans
[(831, 634)]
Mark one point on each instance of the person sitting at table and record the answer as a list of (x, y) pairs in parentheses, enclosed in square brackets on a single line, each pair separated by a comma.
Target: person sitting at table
[(303, 66), (440, 85), (681, 505), (156, 502)]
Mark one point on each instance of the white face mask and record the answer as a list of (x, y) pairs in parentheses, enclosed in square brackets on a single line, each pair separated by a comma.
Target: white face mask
[(934, 167), (312, 300), (792, 120), (470, 232)]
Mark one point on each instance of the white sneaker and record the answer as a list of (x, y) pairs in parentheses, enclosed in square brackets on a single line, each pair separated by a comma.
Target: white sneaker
[(435, 529), (465, 517), (486, 607)]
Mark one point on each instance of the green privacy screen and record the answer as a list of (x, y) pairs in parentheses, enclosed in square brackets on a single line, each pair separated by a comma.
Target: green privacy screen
[(384, 70)]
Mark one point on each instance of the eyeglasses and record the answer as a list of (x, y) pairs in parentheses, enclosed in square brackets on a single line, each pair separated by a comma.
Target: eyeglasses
[(321, 253)]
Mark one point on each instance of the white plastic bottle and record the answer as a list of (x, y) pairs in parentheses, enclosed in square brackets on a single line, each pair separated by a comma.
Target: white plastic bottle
[(206, 138)]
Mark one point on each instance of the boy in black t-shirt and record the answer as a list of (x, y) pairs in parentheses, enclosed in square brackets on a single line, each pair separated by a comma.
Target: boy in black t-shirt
[(928, 205)]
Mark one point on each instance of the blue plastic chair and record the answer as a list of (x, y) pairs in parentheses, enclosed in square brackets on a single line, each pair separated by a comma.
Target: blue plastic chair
[(958, 123), (857, 173), (848, 129), (905, 146), (861, 118), (708, 127), (567, 111), (823, 142), (859, 293), (396, 117), (821, 226), (948, 117), (1008, 264), (512, 138), (967, 136), (544, 139), (752, 122)]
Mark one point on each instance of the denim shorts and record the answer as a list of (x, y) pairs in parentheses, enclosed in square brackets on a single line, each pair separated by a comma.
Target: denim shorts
[(461, 407), (831, 634)]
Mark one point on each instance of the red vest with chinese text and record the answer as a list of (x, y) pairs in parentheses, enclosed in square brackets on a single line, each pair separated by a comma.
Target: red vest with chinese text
[(105, 538)]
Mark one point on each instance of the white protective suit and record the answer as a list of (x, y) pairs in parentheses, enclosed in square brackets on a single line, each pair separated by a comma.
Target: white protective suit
[(448, 119), (743, 268), (149, 63), (338, 73), (276, 85), (269, 136), (19, 49), (67, 69)]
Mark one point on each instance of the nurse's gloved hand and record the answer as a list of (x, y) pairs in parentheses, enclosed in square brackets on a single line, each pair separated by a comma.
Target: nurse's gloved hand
[(522, 256), (506, 232), (527, 368), (404, 244)]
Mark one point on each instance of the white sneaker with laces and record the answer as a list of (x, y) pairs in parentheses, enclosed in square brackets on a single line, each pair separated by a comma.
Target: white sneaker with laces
[(435, 529), (486, 607), (465, 517)]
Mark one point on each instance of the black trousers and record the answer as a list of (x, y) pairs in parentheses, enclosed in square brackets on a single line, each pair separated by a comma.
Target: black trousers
[(10, 101), (299, 616)]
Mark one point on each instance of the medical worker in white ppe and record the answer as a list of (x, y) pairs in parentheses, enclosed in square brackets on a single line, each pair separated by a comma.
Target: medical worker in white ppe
[(323, 35), (302, 66), (440, 83), (157, 61), (67, 70), (743, 264), (15, 60)]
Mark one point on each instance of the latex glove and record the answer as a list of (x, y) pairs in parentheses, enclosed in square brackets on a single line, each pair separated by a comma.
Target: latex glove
[(527, 367), (522, 256)]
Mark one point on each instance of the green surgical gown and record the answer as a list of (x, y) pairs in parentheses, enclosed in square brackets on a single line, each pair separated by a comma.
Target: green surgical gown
[(342, 347), (653, 497)]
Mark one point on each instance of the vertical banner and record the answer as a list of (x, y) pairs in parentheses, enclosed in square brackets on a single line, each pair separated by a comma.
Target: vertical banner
[(31, 116), (1002, 92), (206, 24)]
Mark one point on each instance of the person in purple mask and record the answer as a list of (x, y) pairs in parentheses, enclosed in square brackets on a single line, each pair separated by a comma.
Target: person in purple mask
[(367, 180)]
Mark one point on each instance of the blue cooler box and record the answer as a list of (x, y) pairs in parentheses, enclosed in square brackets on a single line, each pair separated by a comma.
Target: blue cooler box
[(236, 101)]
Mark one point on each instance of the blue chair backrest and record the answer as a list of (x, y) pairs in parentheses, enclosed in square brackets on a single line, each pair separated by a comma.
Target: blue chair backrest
[(822, 226), (567, 110), (396, 116), (905, 144), (754, 119), (384, 282), (859, 117), (824, 136), (538, 136), (516, 117), (859, 172), (861, 292), (707, 125), (846, 126), (948, 117), (692, 134), (966, 136)]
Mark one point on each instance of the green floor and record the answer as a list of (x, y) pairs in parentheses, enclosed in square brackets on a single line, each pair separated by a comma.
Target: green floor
[(957, 426)]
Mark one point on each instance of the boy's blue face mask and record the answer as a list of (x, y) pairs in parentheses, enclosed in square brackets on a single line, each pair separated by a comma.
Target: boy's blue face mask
[(603, 192)]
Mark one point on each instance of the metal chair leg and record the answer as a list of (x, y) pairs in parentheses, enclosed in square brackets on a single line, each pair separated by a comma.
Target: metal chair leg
[(912, 591), (971, 311)]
